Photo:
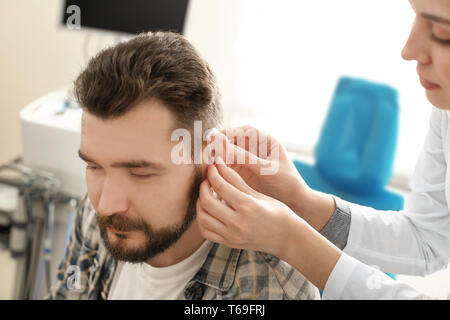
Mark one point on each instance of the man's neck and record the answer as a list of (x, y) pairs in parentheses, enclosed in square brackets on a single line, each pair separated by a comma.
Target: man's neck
[(188, 243)]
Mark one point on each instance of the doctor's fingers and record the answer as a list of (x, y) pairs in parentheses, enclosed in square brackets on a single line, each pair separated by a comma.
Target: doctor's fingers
[(210, 228), (216, 145), (236, 157), (219, 223), (230, 186), (251, 139), (243, 159), (214, 207), (245, 162)]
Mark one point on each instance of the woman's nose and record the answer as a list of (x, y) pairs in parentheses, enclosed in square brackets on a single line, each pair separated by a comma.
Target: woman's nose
[(416, 47)]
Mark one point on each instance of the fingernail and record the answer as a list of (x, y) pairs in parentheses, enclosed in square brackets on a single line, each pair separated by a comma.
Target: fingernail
[(214, 193), (219, 160)]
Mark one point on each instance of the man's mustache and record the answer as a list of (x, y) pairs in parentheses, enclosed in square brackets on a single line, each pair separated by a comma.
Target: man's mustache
[(119, 222)]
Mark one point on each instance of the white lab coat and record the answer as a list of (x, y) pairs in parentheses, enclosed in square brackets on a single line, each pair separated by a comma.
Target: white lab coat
[(415, 241)]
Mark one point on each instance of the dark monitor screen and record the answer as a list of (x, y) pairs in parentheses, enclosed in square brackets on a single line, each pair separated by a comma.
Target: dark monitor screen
[(130, 16)]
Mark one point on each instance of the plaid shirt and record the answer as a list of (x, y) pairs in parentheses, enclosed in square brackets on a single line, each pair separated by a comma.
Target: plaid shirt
[(88, 270)]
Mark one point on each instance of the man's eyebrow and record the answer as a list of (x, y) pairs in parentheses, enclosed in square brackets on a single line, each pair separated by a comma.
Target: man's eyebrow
[(435, 18), (127, 164)]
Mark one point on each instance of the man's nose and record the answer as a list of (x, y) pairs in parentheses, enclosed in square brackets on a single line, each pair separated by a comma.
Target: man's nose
[(416, 47), (113, 199)]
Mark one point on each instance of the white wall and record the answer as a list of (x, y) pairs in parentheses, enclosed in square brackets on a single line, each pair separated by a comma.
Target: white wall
[(35, 57)]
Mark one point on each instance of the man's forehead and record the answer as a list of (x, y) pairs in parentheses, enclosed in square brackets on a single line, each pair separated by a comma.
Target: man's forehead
[(147, 130), (149, 119)]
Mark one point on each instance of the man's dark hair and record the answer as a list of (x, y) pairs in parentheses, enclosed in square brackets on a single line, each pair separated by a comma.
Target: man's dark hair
[(162, 65)]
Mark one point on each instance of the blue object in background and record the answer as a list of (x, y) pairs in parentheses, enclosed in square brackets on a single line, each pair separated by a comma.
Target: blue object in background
[(355, 153), (356, 149)]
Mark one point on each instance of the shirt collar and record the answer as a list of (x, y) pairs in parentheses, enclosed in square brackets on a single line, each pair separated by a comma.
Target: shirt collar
[(219, 269)]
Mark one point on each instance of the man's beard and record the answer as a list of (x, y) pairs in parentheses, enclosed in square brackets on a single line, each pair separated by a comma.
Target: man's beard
[(156, 242)]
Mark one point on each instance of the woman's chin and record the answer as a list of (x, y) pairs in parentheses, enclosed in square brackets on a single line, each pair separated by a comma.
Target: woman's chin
[(438, 99)]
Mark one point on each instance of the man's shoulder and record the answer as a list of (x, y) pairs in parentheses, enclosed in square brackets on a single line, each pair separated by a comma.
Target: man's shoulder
[(276, 274)]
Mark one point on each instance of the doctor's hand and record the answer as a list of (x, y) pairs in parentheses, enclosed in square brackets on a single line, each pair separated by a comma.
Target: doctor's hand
[(262, 162), (253, 221), (264, 165), (248, 220)]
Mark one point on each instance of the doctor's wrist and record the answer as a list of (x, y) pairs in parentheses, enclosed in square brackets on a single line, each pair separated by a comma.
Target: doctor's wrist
[(315, 207), (308, 251)]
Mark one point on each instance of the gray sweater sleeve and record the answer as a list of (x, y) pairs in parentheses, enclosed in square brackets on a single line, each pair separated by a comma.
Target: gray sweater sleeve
[(338, 227)]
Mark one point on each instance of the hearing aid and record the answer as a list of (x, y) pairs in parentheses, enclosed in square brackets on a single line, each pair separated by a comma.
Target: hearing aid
[(210, 132)]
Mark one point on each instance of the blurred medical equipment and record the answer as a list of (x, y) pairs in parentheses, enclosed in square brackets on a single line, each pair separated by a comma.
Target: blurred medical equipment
[(51, 137), (40, 190), (355, 153), (8, 204)]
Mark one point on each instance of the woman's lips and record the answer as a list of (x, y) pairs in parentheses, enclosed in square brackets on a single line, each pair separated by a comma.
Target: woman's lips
[(428, 85)]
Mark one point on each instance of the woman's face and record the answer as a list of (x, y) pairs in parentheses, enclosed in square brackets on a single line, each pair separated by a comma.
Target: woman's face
[(429, 45)]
